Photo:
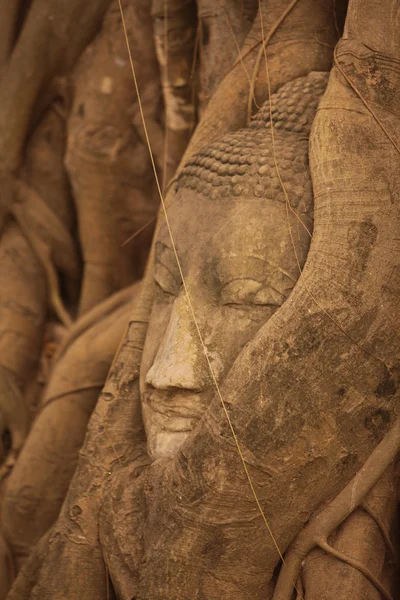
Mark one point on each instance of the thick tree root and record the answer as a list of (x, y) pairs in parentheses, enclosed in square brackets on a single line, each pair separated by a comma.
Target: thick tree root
[(321, 526), (175, 35), (7, 571), (382, 528), (37, 486), (9, 12), (52, 38), (43, 254), (108, 163), (100, 312), (23, 586), (356, 564)]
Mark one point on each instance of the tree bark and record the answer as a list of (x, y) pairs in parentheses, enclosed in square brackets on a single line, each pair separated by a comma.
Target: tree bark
[(308, 399), (318, 384), (107, 159), (37, 486), (52, 39), (299, 41), (175, 36)]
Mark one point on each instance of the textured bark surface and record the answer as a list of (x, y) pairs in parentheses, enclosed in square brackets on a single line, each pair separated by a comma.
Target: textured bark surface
[(300, 41), (305, 403), (176, 39), (40, 250), (327, 577), (33, 495), (50, 43), (107, 158)]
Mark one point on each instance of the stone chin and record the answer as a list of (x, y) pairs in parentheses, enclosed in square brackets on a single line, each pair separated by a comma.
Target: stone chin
[(165, 444)]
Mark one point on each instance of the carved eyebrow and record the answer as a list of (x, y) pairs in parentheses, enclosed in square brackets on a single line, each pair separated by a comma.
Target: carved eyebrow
[(232, 267)]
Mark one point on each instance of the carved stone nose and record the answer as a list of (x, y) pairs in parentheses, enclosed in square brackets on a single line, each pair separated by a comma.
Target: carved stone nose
[(180, 360)]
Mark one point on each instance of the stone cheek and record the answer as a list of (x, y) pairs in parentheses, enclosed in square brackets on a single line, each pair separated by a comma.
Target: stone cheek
[(243, 163)]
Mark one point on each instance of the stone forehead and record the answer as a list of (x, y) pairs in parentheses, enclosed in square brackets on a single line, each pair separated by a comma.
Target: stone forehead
[(242, 164)]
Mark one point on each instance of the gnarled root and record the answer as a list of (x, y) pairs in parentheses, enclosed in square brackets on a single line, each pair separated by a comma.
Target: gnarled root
[(50, 42), (366, 538), (175, 39), (37, 486), (115, 438), (322, 525), (108, 163)]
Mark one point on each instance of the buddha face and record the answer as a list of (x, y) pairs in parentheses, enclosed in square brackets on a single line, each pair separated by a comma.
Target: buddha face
[(239, 266)]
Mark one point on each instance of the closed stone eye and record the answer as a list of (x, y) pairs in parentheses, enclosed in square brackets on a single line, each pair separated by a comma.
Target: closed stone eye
[(248, 292), (269, 296)]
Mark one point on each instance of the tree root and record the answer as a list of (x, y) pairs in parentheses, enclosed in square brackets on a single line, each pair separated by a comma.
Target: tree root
[(51, 40), (108, 164), (175, 34), (43, 254), (9, 12), (97, 314), (321, 526), (356, 564), (115, 438), (7, 569), (47, 224), (300, 588), (14, 418), (381, 526), (23, 586), (37, 486)]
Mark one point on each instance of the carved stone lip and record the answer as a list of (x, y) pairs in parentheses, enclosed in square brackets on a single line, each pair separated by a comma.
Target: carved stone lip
[(188, 407), (179, 425)]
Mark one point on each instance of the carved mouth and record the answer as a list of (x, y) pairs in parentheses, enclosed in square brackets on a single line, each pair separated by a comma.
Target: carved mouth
[(175, 411)]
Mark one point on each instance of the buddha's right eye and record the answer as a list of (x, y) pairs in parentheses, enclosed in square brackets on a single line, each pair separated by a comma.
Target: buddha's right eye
[(167, 281), (240, 292), (248, 292)]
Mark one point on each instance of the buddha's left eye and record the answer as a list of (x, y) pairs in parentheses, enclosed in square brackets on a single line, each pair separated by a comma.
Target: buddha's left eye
[(248, 292)]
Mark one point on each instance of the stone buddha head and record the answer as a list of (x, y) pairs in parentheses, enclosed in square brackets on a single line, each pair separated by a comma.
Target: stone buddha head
[(240, 246)]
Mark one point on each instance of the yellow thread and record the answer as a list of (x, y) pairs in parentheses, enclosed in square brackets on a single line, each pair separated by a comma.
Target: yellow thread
[(188, 296), (138, 231), (165, 162)]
